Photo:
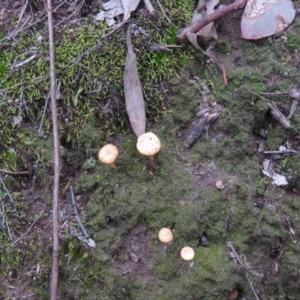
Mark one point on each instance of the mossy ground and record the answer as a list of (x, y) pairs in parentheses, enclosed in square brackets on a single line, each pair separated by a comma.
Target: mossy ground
[(124, 208)]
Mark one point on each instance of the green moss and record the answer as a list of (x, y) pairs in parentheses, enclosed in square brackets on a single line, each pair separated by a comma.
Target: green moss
[(276, 137), (293, 41), (85, 64)]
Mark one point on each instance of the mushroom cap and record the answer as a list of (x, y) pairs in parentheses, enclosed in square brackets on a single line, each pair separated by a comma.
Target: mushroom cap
[(220, 185), (148, 144), (108, 154), (187, 253), (165, 235)]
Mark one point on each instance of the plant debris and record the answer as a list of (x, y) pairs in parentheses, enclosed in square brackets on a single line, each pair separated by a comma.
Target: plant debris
[(134, 99), (278, 179)]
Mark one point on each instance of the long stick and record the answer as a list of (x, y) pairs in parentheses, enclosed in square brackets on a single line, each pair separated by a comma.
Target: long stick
[(54, 273)]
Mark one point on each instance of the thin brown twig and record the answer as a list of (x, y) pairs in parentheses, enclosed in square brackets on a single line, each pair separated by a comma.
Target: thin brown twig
[(163, 12), (15, 173), (217, 14), (55, 257), (22, 236), (229, 245)]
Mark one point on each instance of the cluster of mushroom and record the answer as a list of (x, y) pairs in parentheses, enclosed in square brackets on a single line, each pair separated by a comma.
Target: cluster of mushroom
[(148, 144), (165, 235)]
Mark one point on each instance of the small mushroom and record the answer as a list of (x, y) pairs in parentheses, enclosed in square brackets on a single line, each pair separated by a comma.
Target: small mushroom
[(187, 253), (220, 185), (165, 235), (148, 144), (108, 154)]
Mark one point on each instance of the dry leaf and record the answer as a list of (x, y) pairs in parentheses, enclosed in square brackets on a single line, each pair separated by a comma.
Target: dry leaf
[(134, 99), (263, 18), (129, 6), (208, 32), (114, 8)]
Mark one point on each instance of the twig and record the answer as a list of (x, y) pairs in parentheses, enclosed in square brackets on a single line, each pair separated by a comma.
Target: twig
[(17, 240), (293, 109), (17, 173), (217, 14), (22, 13), (22, 95), (55, 257), (275, 112), (229, 245), (276, 93), (43, 116), (8, 194), (26, 61), (278, 115), (162, 10), (84, 232), (4, 220), (219, 65), (286, 152), (224, 74)]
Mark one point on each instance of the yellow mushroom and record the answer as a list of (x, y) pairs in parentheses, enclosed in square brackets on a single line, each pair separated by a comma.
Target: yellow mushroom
[(148, 144), (187, 253), (108, 154), (165, 235)]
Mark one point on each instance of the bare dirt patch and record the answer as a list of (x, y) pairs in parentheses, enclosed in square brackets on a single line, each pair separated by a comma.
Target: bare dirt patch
[(135, 258)]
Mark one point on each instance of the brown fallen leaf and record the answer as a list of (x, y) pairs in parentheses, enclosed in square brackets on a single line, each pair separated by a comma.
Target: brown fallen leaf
[(134, 99), (129, 6), (206, 8)]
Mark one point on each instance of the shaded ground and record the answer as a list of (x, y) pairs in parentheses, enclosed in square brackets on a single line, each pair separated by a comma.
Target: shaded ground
[(123, 209)]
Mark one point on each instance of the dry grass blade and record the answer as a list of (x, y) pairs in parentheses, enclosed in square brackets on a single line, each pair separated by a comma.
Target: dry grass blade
[(134, 99)]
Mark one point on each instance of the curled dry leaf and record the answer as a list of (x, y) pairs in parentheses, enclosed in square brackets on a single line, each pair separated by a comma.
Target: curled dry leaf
[(114, 8), (134, 99), (263, 18), (208, 32)]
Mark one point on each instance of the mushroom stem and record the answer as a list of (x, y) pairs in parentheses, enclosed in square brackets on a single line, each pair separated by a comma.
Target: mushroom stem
[(113, 165), (151, 159)]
